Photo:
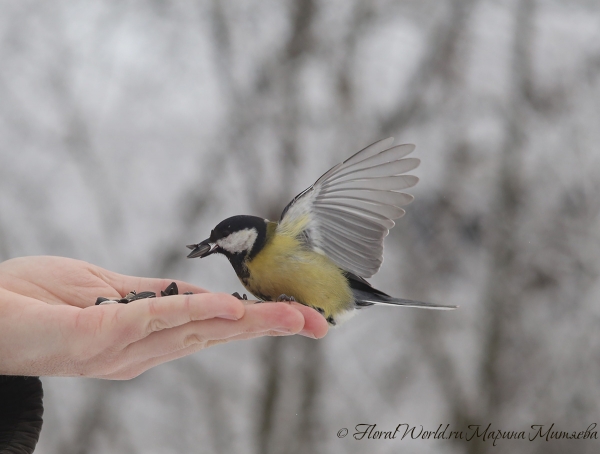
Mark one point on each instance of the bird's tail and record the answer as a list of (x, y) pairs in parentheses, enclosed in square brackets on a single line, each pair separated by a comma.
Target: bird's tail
[(364, 299)]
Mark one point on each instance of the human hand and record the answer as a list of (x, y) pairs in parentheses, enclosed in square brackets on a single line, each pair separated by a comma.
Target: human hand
[(49, 324)]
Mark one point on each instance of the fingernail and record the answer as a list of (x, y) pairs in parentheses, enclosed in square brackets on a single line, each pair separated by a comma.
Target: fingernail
[(307, 334), (229, 317)]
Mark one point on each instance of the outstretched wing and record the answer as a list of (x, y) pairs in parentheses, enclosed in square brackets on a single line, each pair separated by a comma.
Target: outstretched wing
[(348, 212)]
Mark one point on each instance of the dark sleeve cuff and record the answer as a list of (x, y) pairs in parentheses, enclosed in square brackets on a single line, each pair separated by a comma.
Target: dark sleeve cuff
[(21, 411)]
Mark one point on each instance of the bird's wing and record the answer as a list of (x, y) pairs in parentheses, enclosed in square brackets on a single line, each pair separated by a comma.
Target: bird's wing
[(348, 212)]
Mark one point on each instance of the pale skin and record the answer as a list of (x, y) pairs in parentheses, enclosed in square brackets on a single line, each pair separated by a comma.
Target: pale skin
[(49, 324)]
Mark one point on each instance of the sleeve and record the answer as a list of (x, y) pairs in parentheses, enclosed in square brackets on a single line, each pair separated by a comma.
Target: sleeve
[(21, 410)]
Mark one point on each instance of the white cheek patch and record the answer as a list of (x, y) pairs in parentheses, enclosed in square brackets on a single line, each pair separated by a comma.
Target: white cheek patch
[(239, 241)]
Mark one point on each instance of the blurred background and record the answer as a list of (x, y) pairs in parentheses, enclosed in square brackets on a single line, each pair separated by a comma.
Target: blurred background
[(128, 129)]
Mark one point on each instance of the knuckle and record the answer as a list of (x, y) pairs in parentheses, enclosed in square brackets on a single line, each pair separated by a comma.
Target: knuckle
[(216, 342), (193, 339), (157, 324)]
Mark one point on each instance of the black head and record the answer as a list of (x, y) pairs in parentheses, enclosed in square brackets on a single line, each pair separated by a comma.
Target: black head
[(236, 237)]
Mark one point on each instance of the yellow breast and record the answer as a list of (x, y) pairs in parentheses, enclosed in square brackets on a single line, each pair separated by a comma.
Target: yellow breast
[(286, 266)]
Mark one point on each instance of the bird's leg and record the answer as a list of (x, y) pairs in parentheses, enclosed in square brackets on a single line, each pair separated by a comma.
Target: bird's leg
[(285, 298), (331, 321), (237, 295)]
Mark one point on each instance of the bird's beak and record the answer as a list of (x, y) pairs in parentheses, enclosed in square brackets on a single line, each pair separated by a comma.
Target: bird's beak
[(202, 249)]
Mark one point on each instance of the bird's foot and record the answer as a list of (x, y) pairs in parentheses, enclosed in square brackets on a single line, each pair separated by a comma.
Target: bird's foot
[(237, 295), (331, 321), (320, 310), (284, 298)]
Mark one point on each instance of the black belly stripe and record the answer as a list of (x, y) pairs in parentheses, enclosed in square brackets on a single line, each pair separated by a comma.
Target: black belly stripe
[(237, 262)]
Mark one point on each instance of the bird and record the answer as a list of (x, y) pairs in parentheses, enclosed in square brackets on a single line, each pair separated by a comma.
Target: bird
[(329, 238)]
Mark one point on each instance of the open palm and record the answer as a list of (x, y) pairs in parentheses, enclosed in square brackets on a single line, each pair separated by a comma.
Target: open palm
[(49, 324)]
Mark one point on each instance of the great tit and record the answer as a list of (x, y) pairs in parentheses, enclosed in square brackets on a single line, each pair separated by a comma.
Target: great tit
[(329, 237)]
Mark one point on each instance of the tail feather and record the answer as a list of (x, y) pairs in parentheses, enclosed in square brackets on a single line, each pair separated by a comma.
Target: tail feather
[(365, 295), (364, 299)]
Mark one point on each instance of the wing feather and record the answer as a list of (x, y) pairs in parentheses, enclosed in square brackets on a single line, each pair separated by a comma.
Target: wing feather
[(377, 218), (345, 261), (393, 183), (349, 210), (381, 170), (359, 247), (369, 208), (368, 236), (367, 152), (396, 199), (389, 155), (351, 221)]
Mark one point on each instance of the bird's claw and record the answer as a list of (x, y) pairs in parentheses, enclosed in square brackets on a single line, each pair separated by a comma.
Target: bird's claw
[(237, 295), (284, 298)]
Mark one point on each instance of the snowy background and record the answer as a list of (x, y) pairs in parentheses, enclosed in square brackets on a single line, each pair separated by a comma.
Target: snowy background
[(128, 129)]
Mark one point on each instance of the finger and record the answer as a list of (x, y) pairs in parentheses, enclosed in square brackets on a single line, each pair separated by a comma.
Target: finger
[(279, 317), (140, 318), (315, 325), (160, 345), (133, 370)]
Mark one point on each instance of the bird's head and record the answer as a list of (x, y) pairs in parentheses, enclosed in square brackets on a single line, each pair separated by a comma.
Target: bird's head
[(237, 237)]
